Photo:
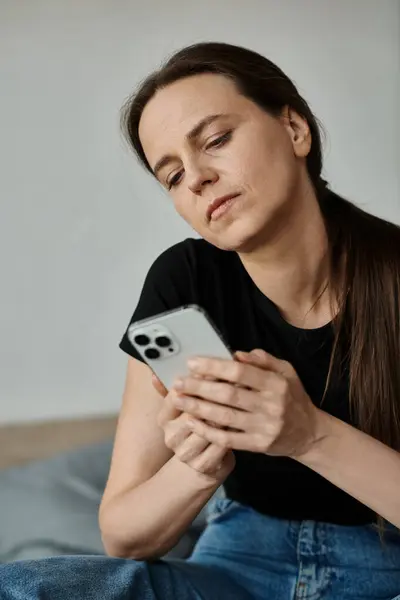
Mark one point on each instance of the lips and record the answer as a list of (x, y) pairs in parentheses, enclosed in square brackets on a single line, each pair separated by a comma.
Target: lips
[(217, 203)]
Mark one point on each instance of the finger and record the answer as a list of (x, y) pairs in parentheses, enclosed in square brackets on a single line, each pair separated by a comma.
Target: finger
[(266, 361), (209, 377), (228, 439), (168, 410), (209, 461), (191, 447), (158, 385), (222, 416), (222, 392), (177, 431), (246, 375)]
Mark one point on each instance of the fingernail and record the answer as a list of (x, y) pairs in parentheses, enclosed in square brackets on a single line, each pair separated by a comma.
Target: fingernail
[(178, 384), (193, 364), (258, 353)]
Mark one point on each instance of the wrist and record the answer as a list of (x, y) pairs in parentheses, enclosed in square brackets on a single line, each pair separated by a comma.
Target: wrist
[(322, 431), (201, 481)]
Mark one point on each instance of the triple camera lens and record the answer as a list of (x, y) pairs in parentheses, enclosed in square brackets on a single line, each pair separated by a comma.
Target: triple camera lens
[(162, 341)]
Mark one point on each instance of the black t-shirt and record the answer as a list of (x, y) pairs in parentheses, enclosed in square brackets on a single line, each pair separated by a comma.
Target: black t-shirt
[(195, 272)]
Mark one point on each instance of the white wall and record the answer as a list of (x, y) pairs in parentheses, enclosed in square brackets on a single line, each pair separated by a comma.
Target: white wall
[(77, 232)]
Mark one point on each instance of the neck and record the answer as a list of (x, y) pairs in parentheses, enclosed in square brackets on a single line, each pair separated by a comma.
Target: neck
[(292, 269)]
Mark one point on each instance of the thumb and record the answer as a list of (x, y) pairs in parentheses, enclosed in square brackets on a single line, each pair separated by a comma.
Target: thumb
[(260, 358), (255, 356), (158, 385), (258, 353)]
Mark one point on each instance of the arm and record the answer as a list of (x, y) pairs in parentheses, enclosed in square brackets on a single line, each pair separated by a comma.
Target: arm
[(277, 417), (358, 464), (151, 497), (147, 521)]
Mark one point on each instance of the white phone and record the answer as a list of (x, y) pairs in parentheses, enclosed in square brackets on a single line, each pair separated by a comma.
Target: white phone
[(166, 341)]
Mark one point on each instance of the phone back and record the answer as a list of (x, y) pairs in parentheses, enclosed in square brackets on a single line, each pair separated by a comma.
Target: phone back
[(167, 341)]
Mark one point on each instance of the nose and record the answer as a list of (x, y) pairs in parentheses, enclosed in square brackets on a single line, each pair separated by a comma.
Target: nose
[(198, 178)]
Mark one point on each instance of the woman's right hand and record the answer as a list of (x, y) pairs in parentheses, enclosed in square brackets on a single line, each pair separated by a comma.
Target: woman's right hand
[(212, 461)]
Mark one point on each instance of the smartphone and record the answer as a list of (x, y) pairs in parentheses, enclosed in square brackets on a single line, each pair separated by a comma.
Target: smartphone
[(166, 341)]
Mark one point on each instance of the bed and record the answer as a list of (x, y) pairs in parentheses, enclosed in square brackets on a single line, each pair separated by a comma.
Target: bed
[(52, 476)]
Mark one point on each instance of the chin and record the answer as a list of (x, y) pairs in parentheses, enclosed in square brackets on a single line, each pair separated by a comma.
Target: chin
[(238, 237)]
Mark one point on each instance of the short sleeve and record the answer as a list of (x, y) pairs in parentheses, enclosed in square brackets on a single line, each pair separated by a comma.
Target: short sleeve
[(169, 284)]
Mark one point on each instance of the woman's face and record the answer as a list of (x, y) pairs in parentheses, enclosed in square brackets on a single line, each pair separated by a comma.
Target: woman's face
[(205, 141)]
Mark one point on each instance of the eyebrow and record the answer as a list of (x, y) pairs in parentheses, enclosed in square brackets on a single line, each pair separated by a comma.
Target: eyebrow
[(191, 136)]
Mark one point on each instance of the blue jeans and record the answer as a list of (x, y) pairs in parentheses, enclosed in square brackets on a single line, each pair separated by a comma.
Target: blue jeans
[(241, 555)]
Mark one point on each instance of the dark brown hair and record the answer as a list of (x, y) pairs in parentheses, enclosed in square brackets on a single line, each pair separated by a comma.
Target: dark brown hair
[(364, 249)]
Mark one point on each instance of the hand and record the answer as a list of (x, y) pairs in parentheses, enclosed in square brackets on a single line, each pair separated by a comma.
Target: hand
[(258, 395), (212, 461)]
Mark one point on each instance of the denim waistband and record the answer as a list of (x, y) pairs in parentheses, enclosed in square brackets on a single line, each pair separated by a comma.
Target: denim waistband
[(234, 525)]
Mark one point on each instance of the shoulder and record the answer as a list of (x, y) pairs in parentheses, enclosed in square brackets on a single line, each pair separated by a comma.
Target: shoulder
[(192, 270), (192, 247), (187, 255), (181, 271)]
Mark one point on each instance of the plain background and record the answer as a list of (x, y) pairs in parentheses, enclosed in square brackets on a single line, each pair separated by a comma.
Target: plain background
[(81, 222)]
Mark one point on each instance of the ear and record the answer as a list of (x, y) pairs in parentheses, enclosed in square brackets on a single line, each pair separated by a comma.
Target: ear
[(298, 131)]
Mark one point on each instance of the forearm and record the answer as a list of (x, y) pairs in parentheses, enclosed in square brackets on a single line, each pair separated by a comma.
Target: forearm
[(147, 521), (358, 464)]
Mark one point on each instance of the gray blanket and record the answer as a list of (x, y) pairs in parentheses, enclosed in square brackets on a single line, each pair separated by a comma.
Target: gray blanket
[(50, 507)]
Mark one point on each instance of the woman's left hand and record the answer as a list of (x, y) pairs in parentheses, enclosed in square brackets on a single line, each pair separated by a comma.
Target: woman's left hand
[(259, 398)]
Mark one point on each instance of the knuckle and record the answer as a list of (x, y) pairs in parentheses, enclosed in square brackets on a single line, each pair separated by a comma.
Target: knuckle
[(260, 405), (287, 369), (272, 429), (230, 395), (204, 412), (167, 414), (207, 467), (181, 454), (171, 436), (227, 416), (222, 440), (183, 420), (237, 370), (168, 441), (184, 454), (169, 401), (277, 410), (261, 443), (191, 453), (283, 386), (287, 366)]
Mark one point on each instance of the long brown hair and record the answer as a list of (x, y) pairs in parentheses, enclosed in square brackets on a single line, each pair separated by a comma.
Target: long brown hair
[(364, 249)]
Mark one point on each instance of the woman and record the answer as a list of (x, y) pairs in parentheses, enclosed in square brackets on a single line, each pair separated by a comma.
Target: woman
[(303, 427)]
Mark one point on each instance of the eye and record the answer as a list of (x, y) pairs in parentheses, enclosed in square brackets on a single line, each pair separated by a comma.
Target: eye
[(220, 141), (174, 180), (217, 143)]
